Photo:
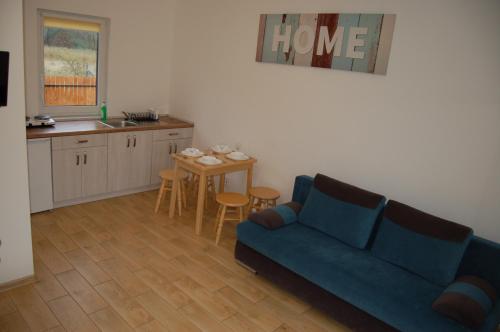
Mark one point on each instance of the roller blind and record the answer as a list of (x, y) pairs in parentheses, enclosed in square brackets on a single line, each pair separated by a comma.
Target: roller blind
[(54, 22)]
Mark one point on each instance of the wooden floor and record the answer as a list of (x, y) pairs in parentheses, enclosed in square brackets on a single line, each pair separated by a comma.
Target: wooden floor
[(115, 266)]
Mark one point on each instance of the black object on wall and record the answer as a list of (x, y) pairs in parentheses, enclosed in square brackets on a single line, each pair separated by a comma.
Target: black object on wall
[(4, 77)]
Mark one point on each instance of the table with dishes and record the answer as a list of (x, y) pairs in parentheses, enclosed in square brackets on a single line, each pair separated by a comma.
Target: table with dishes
[(218, 161)]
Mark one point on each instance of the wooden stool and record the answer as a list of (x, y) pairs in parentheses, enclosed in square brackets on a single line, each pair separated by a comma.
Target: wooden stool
[(234, 201), (266, 198), (167, 177)]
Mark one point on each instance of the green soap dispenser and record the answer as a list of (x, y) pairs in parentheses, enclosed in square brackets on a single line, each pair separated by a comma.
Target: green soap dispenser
[(104, 112)]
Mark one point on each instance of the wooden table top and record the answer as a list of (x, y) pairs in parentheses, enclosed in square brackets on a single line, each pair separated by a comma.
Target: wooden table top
[(227, 164), (87, 127)]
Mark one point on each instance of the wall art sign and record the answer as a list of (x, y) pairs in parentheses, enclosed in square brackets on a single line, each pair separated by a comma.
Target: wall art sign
[(354, 42)]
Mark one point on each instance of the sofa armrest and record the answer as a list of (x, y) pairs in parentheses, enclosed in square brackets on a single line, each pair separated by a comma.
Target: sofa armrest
[(301, 188), (277, 217), (482, 259)]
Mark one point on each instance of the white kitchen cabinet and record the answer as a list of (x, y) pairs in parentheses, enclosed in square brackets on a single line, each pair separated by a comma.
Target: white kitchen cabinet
[(40, 175), (94, 171), (163, 147), (129, 160), (67, 174), (161, 159), (79, 172)]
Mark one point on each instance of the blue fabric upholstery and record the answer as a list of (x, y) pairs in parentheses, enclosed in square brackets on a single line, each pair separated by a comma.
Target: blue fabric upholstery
[(396, 296), (434, 259), (301, 188), (482, 259), (350, 223)]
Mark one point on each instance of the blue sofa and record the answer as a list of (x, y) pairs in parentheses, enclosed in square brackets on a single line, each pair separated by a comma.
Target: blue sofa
[(361, 280)]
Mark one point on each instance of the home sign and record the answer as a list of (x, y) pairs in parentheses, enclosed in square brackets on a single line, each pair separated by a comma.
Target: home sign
[(354, 42)]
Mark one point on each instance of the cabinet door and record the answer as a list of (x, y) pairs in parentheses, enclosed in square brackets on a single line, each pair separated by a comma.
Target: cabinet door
[(119, 156), (140, 162), (94, 171), (181, 144), (161, 159), (67, 174)]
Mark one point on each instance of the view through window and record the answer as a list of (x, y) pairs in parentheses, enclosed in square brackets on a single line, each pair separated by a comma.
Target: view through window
[(70, 62)]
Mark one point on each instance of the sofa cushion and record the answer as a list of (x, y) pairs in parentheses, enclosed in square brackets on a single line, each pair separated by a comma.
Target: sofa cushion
[(468, 300), (398, 297), (279, 216), (419, 242), (343, 211)]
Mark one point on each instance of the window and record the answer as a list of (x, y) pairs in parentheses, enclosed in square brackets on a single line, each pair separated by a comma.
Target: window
[(72, 64)]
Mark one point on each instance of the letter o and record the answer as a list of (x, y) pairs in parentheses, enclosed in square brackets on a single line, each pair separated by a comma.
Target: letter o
[(306, 47)]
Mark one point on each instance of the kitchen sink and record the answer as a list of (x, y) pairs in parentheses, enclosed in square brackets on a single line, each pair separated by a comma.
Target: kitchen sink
[(118, 123)]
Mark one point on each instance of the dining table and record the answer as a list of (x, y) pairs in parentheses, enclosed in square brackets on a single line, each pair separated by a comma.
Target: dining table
[(192, 165)]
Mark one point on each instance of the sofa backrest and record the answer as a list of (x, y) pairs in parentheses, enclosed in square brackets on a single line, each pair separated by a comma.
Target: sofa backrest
[(421, 243), (343, 211), (481, 258)]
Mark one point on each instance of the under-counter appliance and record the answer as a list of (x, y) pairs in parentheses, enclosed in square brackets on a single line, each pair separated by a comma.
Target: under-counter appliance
[(39, 121), (40, 174)]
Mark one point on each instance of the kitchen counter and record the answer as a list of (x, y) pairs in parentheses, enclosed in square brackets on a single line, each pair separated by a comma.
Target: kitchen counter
[(86, 127)]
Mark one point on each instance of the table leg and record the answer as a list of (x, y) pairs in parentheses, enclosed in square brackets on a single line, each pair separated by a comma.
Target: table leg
[(200, 207), (173, 193), (249, 179), (222, 182)]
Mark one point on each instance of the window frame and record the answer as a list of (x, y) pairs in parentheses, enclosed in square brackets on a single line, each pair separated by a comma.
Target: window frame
[(75, 111)]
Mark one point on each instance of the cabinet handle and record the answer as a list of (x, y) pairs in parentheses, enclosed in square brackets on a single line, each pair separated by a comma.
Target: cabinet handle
[(128, 141), (77, 160), (82, 141), (135, 141), (85, 159), (173, 134), (175, 147), (169, 148)]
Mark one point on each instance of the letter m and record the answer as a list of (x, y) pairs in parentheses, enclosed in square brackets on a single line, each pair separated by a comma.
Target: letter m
[(331, 44)]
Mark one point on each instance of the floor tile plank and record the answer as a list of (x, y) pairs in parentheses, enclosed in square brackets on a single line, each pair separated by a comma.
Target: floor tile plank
[(81, 291), (47, 285), (109, 321), (13, 322), (51, 257), (166, 290), (90, 246), (166, 314), (128, 308), (71, 316), (87, 267), (33, 309), (118, 270)]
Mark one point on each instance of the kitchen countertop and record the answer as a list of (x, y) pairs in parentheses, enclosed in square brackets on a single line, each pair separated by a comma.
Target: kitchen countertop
[(87, 127)]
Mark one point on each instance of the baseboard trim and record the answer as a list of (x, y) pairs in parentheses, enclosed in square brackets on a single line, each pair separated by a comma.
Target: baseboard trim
[(106, 196), (17, 283)]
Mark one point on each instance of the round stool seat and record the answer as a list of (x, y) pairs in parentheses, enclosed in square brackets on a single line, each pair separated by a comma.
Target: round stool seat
[(168, 174), (264, 193), (232, 199)]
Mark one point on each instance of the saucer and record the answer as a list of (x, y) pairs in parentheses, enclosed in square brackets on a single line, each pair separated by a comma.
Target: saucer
[(239, 156), (221, 148), (209, 160), (192, 152)]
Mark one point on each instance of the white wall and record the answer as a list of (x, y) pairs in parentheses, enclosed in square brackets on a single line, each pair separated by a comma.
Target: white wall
[(427, 134), (15, 232), (138, 57)]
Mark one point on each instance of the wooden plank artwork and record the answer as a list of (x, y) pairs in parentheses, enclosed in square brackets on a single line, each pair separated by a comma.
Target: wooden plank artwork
[(353, 42)]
